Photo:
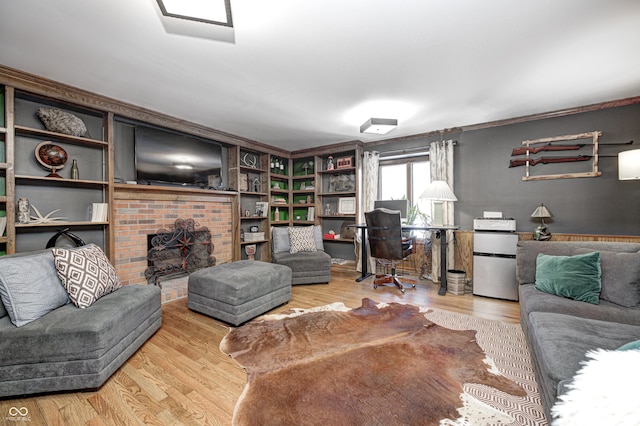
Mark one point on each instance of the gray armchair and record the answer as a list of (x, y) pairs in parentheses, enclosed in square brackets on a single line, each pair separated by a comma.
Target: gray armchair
[(308, 267)]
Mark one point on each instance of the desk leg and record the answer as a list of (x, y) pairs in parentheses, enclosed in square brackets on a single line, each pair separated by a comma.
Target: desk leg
[(363, 256), (443, 262)]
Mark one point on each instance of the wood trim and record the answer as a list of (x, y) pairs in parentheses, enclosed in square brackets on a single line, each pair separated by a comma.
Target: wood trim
[(149, 192), (327, 149), (10, 189)]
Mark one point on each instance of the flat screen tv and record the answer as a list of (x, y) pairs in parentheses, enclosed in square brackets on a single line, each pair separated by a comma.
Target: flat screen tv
[(165, 157)]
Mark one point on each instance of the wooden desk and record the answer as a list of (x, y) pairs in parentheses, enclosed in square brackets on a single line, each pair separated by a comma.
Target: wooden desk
[(440, 232)]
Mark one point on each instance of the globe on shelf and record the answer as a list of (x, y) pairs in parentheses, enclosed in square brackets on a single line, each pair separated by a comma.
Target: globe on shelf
[(52, 157)]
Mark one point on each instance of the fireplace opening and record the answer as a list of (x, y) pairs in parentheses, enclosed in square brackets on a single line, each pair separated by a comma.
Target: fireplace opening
[(178, 251)]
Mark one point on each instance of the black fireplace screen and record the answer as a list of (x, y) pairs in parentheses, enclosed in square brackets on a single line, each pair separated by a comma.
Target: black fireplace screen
[(179, 251)]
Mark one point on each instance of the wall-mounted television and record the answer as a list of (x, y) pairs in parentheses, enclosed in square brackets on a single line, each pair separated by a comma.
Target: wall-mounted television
[(166, 157)]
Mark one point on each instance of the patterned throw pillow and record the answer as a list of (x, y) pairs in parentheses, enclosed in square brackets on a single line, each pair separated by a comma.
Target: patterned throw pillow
[(86, 274), (301, 239)]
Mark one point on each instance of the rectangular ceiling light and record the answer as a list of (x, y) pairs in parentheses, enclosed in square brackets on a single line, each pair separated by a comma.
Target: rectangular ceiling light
[(217, 12), (379, 126)]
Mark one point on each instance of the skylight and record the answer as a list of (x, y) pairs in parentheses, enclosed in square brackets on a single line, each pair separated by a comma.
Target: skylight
[(217, 12)]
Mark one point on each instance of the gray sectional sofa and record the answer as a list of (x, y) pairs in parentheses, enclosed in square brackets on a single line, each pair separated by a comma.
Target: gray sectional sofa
[(560, 330), (308, 267), (66, 348)]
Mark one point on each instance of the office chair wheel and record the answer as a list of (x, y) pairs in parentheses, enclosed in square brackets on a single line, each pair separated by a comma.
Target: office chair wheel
[(375, 286), (414, 286), (402, 290)]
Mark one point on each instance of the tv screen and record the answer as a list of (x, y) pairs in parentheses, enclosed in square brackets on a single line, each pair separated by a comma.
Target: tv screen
[(402, 205), (172, 158)]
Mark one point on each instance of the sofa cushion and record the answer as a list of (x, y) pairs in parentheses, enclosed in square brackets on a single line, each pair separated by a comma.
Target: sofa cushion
[(560, 343), (30, 287), (301, 239), (532, 300), (86, 274), (527, 252), (620, 277), (576, 277)]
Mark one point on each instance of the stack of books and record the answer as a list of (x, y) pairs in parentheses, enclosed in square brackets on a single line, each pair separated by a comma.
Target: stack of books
[(99, 212)]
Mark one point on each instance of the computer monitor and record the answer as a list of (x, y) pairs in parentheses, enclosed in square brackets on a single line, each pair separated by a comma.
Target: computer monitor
[(402, 205)]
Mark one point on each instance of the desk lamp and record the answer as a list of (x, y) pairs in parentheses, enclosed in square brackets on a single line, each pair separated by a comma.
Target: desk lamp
[(438, 191), (541, 233)]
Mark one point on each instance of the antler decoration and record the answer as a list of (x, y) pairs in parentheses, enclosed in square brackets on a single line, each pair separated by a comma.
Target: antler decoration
[(46, 219)]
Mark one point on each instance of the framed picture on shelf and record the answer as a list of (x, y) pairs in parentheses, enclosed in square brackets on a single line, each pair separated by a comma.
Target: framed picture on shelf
[(347, 205), (262, 208)]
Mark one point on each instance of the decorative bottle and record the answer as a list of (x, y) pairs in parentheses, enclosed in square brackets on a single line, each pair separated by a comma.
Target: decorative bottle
[(272, 165), (277, 166), (75, 173), (276, 215)]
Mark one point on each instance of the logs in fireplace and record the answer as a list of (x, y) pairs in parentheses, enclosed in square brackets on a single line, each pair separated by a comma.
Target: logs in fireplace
[(178, 251)]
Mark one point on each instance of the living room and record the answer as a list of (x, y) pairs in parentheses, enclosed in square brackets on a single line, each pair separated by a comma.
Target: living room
[(487, 113)]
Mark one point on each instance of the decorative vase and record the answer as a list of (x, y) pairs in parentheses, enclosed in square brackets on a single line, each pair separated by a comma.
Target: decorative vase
[(276, 215), (24, 210), (75, 173)]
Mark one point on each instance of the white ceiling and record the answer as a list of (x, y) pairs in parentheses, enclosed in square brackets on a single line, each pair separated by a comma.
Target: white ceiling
[(309, 73)]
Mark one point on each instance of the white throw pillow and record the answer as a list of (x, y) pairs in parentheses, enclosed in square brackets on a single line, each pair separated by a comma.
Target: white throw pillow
[(86, 274)]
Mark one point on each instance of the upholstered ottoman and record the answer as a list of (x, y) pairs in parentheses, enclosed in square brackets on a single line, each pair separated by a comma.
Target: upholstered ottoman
[(239, 291)]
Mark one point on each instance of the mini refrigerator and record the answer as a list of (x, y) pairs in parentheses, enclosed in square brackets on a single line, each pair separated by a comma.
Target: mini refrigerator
[(494, 264)]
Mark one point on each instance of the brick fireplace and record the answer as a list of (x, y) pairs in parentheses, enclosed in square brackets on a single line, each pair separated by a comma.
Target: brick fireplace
[(141, 211)]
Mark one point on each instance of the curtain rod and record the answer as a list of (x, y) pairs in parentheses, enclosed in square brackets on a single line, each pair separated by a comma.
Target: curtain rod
[(410, 150)]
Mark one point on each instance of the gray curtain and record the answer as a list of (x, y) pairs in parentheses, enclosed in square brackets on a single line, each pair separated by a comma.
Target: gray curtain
[(370, 162), (441, 163)]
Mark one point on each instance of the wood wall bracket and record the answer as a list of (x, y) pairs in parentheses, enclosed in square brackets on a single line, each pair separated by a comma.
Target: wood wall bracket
[(551, 140)]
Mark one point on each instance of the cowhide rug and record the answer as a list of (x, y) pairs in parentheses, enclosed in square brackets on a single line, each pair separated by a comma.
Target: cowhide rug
[(383, 364)]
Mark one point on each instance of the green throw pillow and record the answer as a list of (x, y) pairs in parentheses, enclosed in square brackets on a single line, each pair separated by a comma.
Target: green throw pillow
[(630, 346), (576, 277)]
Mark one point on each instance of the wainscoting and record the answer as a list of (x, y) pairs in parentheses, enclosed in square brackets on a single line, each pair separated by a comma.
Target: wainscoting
[(143, 210), (464, 245)]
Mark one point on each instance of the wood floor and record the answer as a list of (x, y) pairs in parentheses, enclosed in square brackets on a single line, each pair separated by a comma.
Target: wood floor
[(180, 376)]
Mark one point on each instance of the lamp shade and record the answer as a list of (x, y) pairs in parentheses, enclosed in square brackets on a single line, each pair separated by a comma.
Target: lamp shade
[(541, 212), (439, 190), (629, 165)]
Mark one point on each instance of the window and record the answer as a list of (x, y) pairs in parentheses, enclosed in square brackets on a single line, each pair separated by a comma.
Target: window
[(405, 178)]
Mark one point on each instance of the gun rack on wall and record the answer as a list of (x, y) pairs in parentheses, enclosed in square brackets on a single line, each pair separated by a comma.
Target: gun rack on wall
[(550, 141)]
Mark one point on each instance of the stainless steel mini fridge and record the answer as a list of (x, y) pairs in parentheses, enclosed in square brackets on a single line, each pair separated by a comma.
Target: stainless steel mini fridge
[(494, 264)]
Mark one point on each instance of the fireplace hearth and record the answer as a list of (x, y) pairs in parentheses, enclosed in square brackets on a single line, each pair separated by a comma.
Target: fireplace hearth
[(178, 251)]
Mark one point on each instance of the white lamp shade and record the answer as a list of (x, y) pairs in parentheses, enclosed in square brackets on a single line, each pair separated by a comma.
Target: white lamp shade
[(629, 165), (439, 190)]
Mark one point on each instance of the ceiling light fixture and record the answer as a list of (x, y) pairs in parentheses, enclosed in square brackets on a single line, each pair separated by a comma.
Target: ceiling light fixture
[(217, 12), (379, 126)]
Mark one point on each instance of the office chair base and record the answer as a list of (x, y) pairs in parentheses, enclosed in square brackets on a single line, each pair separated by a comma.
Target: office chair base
[(395, 280)]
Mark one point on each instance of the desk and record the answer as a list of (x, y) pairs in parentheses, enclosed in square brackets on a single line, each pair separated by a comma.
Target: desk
[(440, 233)]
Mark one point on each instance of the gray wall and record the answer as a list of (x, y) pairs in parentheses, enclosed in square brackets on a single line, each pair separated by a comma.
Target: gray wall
[(597, 205)]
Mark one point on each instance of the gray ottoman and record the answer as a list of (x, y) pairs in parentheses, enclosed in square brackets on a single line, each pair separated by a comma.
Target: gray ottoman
[(239, 291)]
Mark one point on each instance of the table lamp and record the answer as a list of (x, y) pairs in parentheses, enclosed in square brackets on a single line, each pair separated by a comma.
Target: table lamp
[(541, 233), (438, 191)]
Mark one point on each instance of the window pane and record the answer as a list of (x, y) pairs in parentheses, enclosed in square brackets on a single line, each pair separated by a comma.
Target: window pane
[(421, 177), (393, 182)]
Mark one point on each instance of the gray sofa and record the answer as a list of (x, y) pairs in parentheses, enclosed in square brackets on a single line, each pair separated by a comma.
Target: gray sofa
[(308, 267), (560, 330), (65, 348)]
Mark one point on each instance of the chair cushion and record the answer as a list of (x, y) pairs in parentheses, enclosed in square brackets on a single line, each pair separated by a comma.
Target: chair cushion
[(280, 236)]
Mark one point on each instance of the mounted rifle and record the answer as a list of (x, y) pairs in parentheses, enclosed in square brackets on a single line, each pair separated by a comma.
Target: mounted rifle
[(546, 160), (550, 147)]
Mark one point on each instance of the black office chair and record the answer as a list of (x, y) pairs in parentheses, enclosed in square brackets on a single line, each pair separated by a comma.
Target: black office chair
[(384, 231)]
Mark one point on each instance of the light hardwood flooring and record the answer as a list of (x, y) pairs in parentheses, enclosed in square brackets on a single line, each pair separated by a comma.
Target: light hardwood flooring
[(179, 376)]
